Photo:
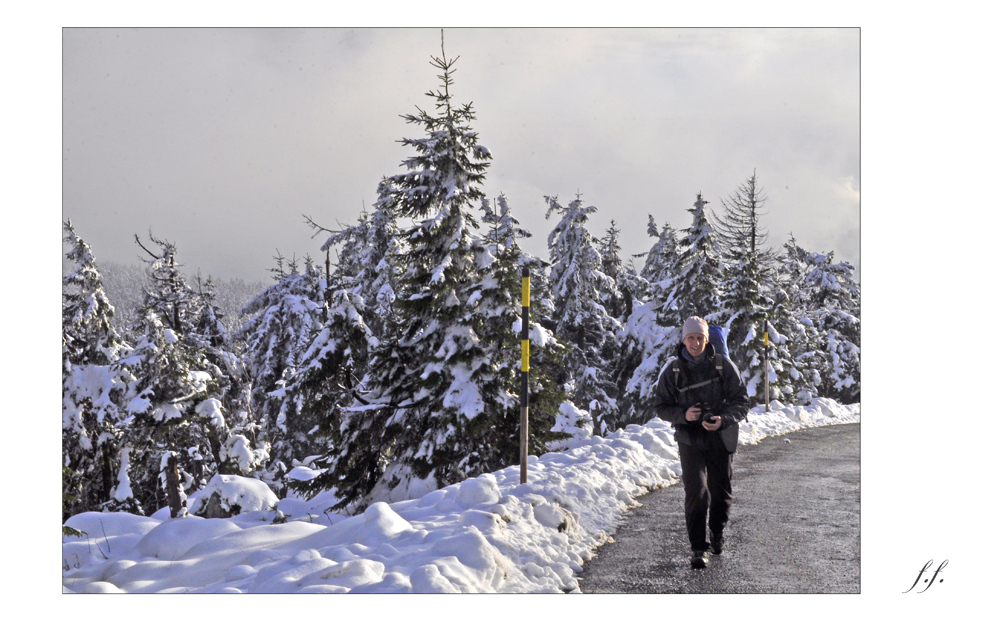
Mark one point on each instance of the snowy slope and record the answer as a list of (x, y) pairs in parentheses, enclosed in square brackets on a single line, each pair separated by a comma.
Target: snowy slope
[(486, 534)]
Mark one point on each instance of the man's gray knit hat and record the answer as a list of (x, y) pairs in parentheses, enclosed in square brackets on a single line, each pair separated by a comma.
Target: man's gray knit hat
[(695, 325)]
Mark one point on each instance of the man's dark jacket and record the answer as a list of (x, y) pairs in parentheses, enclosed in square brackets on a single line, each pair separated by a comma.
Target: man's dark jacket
[(725, 395)]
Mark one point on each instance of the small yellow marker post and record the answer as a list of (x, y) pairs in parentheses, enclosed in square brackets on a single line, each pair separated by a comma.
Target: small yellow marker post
[(767, 374), (525, 306)]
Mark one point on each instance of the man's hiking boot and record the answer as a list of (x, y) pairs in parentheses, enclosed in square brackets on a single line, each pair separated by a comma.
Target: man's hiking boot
[(716, 543), (699, 559)]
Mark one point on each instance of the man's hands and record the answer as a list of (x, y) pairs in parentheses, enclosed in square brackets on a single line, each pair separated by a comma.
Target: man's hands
[(693, 414)]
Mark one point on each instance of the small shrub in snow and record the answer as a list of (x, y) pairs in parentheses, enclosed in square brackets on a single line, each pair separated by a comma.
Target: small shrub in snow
[(576, 422)]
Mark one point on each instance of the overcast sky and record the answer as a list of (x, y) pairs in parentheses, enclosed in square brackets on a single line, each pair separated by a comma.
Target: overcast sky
[(219, 140)]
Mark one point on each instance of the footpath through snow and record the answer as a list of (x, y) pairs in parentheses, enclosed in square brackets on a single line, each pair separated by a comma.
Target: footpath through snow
[(486, 534)]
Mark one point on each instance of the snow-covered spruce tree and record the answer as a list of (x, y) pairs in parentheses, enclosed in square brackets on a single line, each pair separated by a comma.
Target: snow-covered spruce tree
[(283, 319), (696, 290), (92, 389), (368, 263), (279, 323), (616, 301), (380, 278), (786, 320), (831, 300), (431, 383), (788, 380), (661, 265), (807, 348), (752, 298), (499, 316), (494, 302), (177, 432), (610, 249), (244, 451), (88, 332), (360, 310), (313, 397), (633, 343), (168, 389), (744, 311), (644, 341), (222, 350), (582, 321)]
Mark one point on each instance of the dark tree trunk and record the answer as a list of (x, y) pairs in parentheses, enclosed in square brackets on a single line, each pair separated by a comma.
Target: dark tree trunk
[(220, 466), (107, 473), (173, 484)]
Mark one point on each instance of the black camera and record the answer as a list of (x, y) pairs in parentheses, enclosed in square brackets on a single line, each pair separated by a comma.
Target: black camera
[(706, 412)]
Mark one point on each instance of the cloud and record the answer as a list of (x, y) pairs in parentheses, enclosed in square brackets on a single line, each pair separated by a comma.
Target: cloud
[(220, 139)]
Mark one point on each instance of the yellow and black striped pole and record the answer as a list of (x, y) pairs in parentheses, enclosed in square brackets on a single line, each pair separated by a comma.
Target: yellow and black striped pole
[(767, 374), (525, 306)]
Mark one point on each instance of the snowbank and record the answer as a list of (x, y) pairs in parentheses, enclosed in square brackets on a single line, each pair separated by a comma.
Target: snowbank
[(486, 534)]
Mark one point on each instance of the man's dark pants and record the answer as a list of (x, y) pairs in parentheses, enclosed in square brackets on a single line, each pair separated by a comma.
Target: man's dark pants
[(708, 491)]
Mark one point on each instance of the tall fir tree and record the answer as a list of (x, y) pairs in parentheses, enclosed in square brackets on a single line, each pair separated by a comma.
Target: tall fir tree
[(361, 313), (661, 265), (278, 326), (178, 435), (614, 299), (92, 388), (645, 342), (431, 384), (752, 298), (830, 300), (696, 290), (739, 229), (578, 287), (369, 259), (312, 399), (500, 302), (280, 323)]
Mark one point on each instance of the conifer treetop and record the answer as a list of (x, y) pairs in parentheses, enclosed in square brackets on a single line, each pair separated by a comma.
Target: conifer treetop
[(450, 165)]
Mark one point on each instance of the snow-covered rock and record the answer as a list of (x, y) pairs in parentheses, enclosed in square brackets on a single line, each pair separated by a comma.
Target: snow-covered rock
[(226, 496)]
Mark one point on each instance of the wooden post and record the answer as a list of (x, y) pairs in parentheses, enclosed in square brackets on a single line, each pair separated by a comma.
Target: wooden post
[(525, 306), (767, 374)]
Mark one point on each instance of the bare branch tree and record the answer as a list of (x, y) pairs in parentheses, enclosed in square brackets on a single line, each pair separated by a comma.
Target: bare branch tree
[(739, 227)]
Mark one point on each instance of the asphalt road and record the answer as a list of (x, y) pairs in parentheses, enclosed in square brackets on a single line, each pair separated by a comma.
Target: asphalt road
[(795, 526)]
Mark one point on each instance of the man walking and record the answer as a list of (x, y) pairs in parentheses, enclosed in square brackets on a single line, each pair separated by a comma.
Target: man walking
[(703, 396)]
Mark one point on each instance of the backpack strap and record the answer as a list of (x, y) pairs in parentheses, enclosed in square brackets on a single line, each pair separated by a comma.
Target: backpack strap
[(697, 385), (676, 366)]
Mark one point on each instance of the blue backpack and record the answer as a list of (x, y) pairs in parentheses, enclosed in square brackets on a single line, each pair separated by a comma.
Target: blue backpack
[(717, 336)]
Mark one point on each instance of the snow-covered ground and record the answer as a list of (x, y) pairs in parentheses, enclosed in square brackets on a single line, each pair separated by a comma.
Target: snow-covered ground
[(486, 534)]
